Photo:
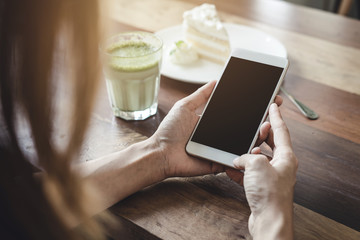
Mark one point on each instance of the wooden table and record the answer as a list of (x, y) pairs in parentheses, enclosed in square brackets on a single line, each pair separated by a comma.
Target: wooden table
[(324, 51)]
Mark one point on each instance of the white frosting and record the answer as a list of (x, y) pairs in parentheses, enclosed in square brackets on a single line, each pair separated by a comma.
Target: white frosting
[(204, 18), (183, 53)]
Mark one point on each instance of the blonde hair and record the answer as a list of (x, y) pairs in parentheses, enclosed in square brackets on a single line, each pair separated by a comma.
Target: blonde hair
[(44, 44)]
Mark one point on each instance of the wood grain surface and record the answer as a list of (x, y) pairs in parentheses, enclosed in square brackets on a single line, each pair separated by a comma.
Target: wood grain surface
[(326, 183), (324, 51), (314, 58)]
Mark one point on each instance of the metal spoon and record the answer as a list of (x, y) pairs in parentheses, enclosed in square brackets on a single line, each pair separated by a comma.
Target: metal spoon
[(302, 107)]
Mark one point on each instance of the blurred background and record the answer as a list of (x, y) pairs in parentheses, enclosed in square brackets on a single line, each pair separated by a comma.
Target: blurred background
[(350, 8)]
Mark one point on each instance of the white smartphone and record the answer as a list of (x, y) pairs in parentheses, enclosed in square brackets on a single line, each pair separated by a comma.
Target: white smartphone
[(230, 123)]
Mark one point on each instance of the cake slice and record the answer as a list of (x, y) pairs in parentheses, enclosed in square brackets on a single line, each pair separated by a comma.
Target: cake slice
[(204, 30)]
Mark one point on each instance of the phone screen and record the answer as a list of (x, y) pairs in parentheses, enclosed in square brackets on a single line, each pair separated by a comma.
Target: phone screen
[(237, 106)]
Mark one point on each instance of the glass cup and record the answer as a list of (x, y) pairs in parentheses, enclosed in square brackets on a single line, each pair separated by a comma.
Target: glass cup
[(131, 63)]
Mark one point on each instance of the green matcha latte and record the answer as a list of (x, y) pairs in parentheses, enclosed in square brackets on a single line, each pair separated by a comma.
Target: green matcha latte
[(132, 73)]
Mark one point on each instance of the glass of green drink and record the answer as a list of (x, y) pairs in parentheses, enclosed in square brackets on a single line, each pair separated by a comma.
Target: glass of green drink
[(132, 62)]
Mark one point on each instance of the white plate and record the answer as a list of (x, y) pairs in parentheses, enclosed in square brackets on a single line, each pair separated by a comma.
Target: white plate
[(203, 71)]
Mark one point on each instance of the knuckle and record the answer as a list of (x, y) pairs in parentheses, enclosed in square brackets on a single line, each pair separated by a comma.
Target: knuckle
[(286, 129), (287, 153), (259, 161), (181, 104), (296, 163), (184, 104), (282, 125)]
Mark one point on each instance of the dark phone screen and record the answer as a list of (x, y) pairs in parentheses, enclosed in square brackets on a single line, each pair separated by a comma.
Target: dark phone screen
[(237, 106)]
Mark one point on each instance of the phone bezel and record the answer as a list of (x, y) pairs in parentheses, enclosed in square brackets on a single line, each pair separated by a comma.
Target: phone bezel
[(220, 156)]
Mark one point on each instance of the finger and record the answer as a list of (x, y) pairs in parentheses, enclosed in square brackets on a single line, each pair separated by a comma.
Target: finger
[(270, 139), (263, 134), (280, 131), (256, 150), (217, 168), (235, 175), (250, 161), (266, 126), (278, 100), (198, 167), (200, 96)]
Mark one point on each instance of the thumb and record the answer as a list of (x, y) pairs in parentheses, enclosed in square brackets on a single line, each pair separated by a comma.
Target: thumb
[(247, 161)]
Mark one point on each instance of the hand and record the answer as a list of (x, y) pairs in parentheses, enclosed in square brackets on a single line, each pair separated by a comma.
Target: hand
[(269, 186), (174, 132), (265, 130)]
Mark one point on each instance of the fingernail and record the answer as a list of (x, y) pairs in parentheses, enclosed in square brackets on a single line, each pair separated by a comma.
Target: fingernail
[(273, 106)]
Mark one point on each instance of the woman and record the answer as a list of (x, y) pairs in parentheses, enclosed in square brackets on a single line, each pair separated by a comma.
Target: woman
[(49, 53)]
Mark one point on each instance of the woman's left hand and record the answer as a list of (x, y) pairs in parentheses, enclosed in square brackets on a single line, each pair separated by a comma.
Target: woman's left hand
[(174, 132), (176, 128)]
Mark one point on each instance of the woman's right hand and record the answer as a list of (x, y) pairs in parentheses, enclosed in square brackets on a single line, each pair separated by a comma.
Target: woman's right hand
[(269, 185)]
